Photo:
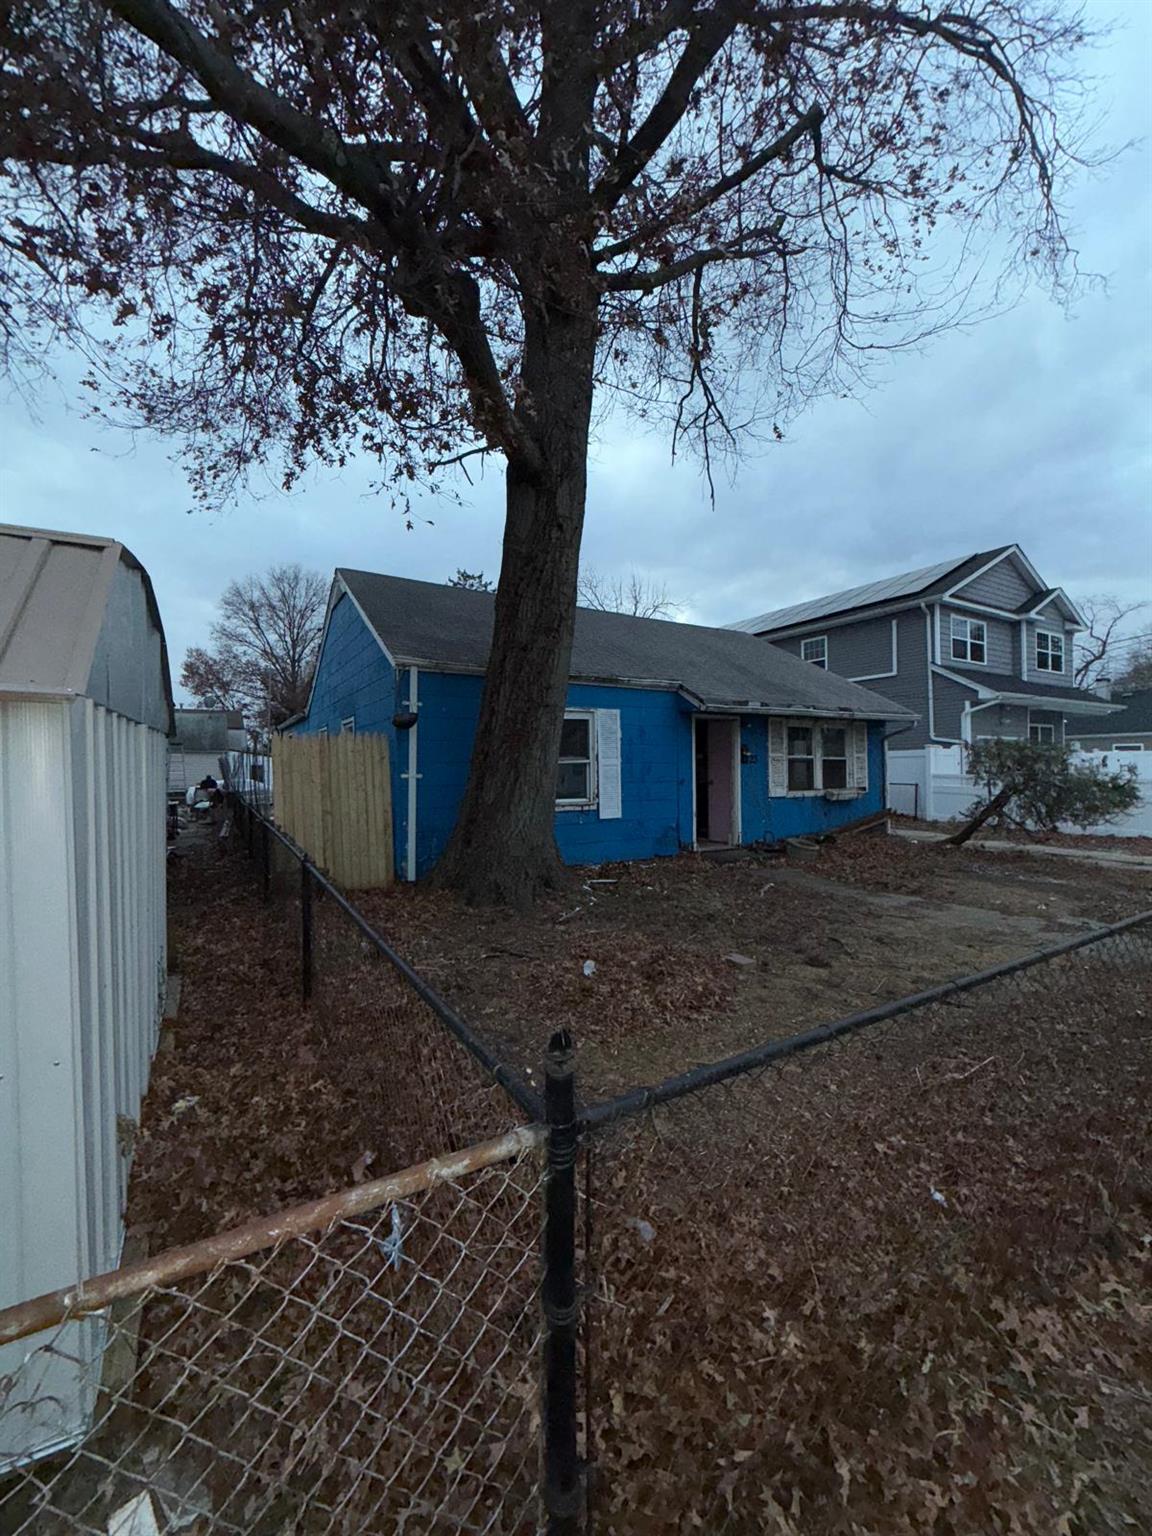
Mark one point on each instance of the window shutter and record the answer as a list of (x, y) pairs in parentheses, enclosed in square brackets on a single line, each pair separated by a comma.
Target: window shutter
[(860, 756), (608, 762), (777, 757)]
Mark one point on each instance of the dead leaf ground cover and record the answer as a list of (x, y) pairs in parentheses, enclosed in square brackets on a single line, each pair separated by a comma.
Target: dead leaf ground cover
[(871, 920), (790, 1332), (900, 1287)]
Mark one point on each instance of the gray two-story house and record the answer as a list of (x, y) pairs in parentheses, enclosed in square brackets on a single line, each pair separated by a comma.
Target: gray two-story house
[(977, 647)]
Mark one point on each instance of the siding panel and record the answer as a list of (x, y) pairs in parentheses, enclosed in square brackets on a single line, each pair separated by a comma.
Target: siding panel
[(1004, 586)]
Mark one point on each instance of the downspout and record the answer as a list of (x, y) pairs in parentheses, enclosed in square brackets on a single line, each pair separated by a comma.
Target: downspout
[(413, 746), (928, 659)]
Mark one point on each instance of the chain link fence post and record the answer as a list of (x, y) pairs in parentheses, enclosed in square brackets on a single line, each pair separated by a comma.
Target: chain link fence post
[(562, 1490)]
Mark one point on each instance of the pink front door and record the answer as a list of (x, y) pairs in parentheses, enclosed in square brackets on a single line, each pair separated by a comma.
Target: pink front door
[(721, 747)]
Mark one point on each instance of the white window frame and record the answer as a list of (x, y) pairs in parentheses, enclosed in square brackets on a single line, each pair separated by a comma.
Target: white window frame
[(348, 727), (855, 751), (820, 659), (1039, 739), (593, 797), (1055, 647), (323, 731), (961, 632)]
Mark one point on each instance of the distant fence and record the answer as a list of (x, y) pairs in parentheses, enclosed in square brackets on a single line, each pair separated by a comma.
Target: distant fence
[(334, 798), (930, 782)]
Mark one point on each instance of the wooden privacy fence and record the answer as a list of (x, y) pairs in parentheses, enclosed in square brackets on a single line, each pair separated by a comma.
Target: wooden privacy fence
[(334, 798)]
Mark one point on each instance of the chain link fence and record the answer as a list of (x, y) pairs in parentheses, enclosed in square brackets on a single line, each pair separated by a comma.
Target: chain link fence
[(880, 1271), (366, 1363), (893, 1270)]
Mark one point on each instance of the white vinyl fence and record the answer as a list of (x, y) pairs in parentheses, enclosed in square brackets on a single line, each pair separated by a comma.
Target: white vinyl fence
[(930, 783)]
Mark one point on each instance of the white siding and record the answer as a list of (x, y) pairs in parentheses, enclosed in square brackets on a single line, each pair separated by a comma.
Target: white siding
[(82, 967)]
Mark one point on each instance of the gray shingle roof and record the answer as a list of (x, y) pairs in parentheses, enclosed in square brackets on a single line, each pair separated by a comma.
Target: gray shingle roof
[(921, 583), (449, 627), (1004, 682)]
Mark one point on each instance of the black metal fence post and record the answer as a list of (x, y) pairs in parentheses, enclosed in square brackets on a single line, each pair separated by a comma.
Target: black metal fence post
[(305, 931), (265, 861), (562, 1491)]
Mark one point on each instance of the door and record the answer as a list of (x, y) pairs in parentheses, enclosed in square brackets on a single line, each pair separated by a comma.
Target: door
[(717, 747)]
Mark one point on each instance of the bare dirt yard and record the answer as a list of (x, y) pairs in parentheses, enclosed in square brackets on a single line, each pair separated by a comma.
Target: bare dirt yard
[(637, 959)]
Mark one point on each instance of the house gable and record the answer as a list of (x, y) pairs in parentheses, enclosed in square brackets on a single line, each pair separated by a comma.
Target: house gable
[(1005, 584)]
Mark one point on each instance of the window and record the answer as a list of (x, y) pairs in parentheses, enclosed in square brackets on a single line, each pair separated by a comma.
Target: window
[(323, 731), (969, 640), (348, 727), (801, 757), (1127, 746), (834, 757), (1042, 735), (1049, 651), (576, 774), (815, 651), (807, 758)]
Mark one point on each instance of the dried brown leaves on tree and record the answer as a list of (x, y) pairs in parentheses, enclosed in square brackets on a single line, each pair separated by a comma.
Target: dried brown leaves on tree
[(430, 232)]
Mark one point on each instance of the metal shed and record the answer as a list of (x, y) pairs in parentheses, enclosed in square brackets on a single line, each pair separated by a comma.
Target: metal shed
[(85, 712)]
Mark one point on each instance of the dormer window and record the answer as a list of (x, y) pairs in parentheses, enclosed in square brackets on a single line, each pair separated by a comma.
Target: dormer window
[(815, 650), (969, 640)]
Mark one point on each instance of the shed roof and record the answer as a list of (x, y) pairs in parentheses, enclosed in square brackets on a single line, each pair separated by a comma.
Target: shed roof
[(450, 628), (927, 580), (61, 619)]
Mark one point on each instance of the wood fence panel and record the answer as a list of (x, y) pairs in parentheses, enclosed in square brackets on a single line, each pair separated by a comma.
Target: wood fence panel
[(334, 797)]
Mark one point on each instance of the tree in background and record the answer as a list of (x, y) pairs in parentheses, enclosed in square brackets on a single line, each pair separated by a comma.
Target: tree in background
[(1136, 671), (1041, 789), (471, 581), (428, 232), (264, 646), (1104, 650), (634, 594)]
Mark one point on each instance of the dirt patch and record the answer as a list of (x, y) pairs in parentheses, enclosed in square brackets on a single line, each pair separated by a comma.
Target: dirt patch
[(637, 960)]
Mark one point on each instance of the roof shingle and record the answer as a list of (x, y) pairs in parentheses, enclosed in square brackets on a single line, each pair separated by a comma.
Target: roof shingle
[(450, 627)]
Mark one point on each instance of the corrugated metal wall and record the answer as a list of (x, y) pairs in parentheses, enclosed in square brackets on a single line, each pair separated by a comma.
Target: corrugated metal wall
[(82, 968)]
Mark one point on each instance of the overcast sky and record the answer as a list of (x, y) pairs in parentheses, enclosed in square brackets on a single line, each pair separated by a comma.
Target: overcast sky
[(1033, 428)]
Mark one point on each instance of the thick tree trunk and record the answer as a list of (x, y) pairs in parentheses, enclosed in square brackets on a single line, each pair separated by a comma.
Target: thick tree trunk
[(503, 848)]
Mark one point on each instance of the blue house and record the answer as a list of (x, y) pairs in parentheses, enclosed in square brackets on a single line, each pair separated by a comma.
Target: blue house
[(676, 736)]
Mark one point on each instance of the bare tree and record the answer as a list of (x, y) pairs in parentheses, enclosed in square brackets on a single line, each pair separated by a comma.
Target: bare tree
[(264, 646), (430, 232), (635, 594), (1100, 649)]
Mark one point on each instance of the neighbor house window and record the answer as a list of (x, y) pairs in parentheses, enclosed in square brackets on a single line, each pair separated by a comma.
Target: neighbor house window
[(348, 727), (1127, 746), (1042, 735), (576, 774), (969, 640), (323, 731), (1049, 651), (815, 651), (801, 757)]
